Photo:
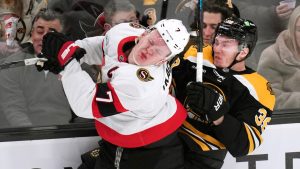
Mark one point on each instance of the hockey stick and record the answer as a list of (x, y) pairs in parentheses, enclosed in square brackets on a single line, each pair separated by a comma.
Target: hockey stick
[(25, 62), (164, 9), (199, 14)]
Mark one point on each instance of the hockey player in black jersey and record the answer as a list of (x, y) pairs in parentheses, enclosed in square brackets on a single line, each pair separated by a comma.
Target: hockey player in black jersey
[(230, 110)]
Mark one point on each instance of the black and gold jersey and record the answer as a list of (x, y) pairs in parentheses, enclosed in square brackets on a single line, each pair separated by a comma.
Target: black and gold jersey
[(251, 103)]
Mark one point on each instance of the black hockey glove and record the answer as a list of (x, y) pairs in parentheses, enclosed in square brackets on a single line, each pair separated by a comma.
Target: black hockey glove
[(59, 51), (204, 99)]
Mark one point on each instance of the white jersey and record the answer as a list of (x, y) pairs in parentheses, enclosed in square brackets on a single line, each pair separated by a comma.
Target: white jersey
[(133, 109), (93, 47)]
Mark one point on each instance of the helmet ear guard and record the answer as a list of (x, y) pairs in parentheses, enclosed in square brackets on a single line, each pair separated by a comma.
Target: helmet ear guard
[(175, 34)]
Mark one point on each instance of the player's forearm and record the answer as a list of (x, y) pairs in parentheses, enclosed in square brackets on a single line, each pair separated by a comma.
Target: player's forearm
[(237, 136), (79, 88), (92, 45)]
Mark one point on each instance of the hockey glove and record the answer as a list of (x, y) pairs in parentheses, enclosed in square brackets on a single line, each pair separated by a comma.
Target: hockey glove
[(204, 99), (59, 51)]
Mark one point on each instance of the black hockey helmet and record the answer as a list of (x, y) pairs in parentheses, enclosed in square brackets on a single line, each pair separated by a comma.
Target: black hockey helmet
[(245, 31)]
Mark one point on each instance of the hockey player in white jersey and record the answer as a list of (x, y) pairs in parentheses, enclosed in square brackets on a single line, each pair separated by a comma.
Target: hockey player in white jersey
[(134, 113)]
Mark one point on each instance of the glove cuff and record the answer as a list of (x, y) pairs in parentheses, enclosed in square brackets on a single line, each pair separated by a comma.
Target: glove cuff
[(219, 109), (66, 52)]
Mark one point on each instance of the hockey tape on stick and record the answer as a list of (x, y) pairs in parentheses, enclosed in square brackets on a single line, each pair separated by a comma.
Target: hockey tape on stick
[(199, 14)]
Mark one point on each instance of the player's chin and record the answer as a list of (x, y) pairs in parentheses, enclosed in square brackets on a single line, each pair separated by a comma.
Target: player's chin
[(143, 62), (206, 41), (218, 63)]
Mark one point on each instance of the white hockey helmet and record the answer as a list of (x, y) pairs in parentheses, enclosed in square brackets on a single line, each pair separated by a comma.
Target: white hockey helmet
[(174, 33)]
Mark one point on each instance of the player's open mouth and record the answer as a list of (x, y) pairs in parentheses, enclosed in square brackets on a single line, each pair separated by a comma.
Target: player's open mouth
[(143, 56)]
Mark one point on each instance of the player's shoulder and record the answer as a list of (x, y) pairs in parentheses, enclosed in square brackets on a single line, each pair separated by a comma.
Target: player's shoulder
[(259, 87)]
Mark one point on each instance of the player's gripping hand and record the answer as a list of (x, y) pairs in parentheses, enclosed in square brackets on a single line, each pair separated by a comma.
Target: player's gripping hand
[(204, 99), (59, 51)]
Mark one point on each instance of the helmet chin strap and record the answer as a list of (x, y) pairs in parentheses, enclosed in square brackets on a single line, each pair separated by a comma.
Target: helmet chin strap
[(160, 62), (235, 61)]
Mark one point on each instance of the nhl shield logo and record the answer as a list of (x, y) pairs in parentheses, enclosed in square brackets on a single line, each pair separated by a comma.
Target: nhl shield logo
[(144, 75)]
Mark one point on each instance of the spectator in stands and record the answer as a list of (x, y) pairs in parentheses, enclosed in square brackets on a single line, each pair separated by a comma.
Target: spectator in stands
[(79, 16), (280, 63), (271, 18), (29, 97), (10, 12), (214, 11), (115, 12)]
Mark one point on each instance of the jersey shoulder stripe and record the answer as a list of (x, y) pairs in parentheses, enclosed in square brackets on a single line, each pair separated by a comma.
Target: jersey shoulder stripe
[(191, 56), (259, 88), (107, 101)]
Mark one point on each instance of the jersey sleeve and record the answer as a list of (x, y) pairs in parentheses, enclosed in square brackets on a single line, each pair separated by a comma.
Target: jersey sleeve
[(140, 89), (87, 99), (250, 113), (93, 47), (79, 88)]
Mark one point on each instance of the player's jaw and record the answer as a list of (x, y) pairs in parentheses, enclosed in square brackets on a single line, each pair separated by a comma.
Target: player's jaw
[(219, 60)]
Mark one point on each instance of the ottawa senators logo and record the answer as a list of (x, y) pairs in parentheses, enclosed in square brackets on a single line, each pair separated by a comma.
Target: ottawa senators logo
[(144, 75)]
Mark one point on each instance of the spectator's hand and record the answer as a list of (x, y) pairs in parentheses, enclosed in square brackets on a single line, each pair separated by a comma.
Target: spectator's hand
[(59, 51), (204, 99), (283, 11)]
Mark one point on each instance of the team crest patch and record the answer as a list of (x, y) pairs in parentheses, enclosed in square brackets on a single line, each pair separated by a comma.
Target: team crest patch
[(144, 75), (135, 25), (175, 63), (121, 58), (270, 88), (95, 153)]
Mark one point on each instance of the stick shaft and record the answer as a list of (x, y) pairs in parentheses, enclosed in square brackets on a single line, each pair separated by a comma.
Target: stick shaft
[(199, 15)]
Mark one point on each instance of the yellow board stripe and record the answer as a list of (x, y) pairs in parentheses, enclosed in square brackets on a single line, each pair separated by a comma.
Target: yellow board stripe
[(206, 137)]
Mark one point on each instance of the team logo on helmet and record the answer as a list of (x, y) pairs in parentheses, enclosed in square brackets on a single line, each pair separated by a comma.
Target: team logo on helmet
[(135, 25), (144, 75)]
